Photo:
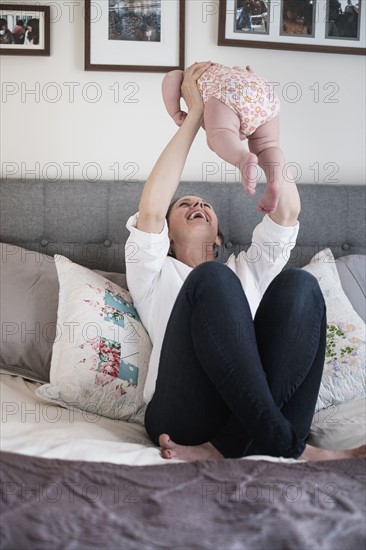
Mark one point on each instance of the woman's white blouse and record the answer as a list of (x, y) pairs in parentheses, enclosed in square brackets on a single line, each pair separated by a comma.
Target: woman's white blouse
[(155, 279)]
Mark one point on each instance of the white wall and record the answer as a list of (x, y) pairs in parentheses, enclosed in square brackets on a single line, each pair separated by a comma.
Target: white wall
[(324, 137)]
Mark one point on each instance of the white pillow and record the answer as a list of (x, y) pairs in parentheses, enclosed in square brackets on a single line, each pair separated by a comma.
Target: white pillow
[(101, 352), (344, 368), (339, 427)]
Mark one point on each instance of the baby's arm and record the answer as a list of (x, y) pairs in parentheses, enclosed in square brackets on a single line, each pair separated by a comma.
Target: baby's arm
[(171, 89)]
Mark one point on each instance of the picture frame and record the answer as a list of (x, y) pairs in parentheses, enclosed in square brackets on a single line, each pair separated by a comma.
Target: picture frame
[(327, 26), (31, 36), (130, 35)]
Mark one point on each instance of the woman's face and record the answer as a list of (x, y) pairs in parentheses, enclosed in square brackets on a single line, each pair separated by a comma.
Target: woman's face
[(193, 218)]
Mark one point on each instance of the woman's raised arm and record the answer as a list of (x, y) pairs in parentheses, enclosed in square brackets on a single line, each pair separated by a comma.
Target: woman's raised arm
[(289, 205), (165, 176)]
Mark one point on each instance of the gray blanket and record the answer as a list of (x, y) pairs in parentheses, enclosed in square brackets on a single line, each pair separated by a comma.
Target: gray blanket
[(232, 504)]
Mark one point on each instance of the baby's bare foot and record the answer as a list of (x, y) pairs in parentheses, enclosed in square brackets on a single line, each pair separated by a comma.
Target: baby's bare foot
[(249, 173), (269, 200), (169, 449), (314, 453)]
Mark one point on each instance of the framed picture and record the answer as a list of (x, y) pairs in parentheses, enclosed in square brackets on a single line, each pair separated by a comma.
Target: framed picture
[(331, 26), (134, 35), (24, 29)]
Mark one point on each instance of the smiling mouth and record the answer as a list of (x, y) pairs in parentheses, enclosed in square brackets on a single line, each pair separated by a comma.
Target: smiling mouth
[(198, 215)]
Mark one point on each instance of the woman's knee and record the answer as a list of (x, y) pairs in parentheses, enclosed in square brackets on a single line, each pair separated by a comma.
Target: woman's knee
[(295, 276), (299, 284), (213, 278), (213, 272)]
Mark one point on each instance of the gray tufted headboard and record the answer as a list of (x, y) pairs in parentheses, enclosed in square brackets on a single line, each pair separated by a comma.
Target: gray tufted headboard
[(86, 221)]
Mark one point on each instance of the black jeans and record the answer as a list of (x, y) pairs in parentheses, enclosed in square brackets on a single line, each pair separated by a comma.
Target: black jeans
[(248, 387)]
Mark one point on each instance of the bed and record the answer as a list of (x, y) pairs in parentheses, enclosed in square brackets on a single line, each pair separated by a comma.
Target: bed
[(74, 478)]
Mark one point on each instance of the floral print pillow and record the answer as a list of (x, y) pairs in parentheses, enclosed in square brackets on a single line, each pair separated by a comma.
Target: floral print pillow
[(344, 367), (101, 352)]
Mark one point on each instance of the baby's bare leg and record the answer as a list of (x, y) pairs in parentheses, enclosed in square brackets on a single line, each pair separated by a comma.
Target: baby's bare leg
[(264, 143), (222, 127)]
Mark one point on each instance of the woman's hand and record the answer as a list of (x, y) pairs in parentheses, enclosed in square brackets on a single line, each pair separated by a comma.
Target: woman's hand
[(190, 91)]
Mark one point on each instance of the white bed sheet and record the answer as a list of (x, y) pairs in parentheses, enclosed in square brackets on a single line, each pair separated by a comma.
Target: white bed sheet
[(32, 426)]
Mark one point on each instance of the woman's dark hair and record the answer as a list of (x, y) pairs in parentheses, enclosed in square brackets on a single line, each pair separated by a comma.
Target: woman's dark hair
[(3, 23), (216, 247), (171, 207), (20, 22), (34, 35)]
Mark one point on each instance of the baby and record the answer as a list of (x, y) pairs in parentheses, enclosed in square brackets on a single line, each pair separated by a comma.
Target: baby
[(238, 105)]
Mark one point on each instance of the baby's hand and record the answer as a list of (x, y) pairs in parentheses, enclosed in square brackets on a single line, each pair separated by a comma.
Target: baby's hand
[(179, 117)]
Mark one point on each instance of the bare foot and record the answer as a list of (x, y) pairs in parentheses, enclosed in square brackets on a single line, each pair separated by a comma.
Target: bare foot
[(269, 200), (314, 453), (169, 449), (249, 173)]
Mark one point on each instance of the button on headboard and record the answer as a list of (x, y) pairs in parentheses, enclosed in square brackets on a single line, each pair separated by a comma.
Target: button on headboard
[(86, 221)]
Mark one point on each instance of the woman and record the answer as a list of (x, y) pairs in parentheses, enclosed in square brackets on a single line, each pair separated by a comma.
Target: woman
[(219, 384), (32, 34)]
